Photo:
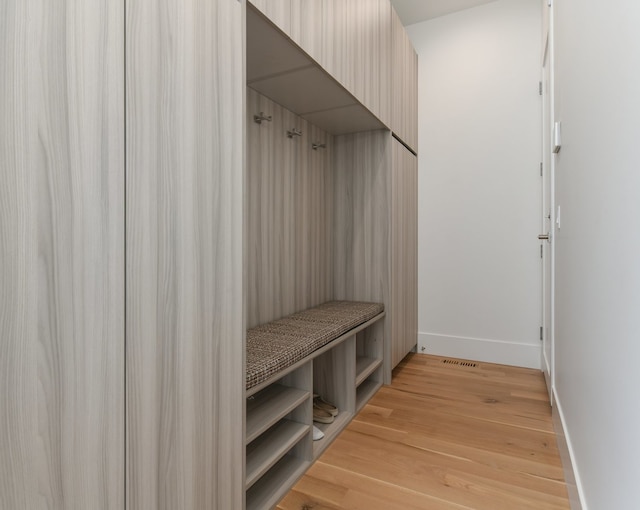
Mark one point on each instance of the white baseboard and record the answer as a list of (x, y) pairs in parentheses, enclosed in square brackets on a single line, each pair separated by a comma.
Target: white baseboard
[(481, 349), (571, 475)]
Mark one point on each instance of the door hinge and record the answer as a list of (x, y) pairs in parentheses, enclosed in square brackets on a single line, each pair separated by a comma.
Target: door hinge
[(541, 333), (541, 169), (539, 88)]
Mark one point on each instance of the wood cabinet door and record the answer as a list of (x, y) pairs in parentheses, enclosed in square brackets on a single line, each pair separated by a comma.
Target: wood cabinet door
[(351, 40), (404, 247), (61, 254), (185, 211), (404, 85)]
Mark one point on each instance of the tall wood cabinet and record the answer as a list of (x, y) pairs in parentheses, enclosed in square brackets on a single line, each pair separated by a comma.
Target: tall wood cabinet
[(404, 252), (121, 241), (62, 296), (184, 253)]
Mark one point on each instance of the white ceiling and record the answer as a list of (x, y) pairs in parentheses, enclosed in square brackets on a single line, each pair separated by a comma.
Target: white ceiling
[(415, 11)]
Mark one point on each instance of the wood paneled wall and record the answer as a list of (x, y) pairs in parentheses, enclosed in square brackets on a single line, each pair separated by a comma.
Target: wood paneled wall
[(185, 301), (361, 228), (404, 252), (61, 255), (289, 192)]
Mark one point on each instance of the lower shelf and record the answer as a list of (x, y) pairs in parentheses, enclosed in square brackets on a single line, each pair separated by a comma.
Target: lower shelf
[(268, 448), (365, 391), (273, 486), (331, 430)]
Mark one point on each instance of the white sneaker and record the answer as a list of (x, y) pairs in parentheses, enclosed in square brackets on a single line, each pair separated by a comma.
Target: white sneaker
[(317, 433)]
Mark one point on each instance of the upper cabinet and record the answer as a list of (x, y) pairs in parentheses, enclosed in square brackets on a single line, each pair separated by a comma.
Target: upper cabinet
[(350, 40), (361, 44), (404, 86), (278, 69)]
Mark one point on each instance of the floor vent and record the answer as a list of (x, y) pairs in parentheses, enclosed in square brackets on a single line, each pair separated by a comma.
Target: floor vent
[(460, 363)]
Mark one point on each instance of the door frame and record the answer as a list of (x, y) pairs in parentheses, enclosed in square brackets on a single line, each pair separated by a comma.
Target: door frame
[(548, 180)]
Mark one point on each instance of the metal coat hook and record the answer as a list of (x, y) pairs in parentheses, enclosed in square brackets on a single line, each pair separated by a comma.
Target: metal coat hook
[(294, 132), (317, 145), (259, 118)]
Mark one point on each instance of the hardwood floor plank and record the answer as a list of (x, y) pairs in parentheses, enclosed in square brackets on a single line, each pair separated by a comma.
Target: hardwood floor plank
[(443, 436)]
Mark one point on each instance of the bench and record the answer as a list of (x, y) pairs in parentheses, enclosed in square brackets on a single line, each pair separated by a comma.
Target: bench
[(275, 346)]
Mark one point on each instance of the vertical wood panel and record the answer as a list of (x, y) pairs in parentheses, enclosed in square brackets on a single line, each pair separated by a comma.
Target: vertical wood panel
[(289, 214), (362, 201), (61, 252), (404, 246), (404, 85), (185, 310), (352, 42)]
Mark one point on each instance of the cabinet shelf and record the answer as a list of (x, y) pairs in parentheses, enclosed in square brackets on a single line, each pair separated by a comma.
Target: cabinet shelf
[(271, 446), (365, 367), (273, 486), (365, 391), (331, 430), (270, 405)]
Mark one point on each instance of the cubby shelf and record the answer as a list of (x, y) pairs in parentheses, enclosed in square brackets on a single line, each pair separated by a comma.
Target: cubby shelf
[(272, 487), (365, 391), (365, 367), (270, 405), (330, 430), (271, 446)]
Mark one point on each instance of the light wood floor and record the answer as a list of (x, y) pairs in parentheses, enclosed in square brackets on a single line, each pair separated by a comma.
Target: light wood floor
[(443, 436)]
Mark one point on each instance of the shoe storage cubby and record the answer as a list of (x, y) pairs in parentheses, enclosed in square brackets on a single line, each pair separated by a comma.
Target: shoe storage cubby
[(278, 437), (333, 376), (368, 362), (279, 417)]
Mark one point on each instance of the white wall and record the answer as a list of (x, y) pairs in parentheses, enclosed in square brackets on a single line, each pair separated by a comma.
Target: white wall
[(598, 246), (479, 184)]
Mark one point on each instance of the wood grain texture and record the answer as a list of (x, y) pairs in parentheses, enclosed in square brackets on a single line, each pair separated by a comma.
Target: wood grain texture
[(289, 189), (185, 304), (361, 224), (443, 437), (352, 42), (404, 85), (278, 11), (404, 252), (61, 253)]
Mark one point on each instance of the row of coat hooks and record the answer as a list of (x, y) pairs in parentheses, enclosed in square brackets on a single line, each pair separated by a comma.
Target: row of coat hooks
[(259, 118)]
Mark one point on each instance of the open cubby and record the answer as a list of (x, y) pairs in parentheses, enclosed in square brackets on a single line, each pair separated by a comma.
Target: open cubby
[(279, 417)]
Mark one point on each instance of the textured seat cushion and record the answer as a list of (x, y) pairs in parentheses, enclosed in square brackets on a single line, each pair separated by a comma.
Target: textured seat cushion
[(274, 346)]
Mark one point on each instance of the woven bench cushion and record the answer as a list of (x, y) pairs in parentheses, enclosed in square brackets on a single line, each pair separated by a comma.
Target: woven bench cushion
[(274, 346)]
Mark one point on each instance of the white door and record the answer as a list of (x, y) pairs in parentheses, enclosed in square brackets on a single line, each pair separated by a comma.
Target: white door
[(546, 223)]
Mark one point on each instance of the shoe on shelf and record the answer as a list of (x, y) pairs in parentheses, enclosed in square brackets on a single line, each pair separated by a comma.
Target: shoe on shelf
[(317, 433), (323, 404), (321, 415)]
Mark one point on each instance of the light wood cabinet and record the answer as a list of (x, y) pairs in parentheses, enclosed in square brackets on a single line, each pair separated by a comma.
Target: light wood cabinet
[(184, 253), (404, 86), (404, 249), (61, 255), (352, 42)]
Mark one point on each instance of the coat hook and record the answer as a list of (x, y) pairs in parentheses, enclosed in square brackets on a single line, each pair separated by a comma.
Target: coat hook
[(294, 132), (317, 145), (259, 118)]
